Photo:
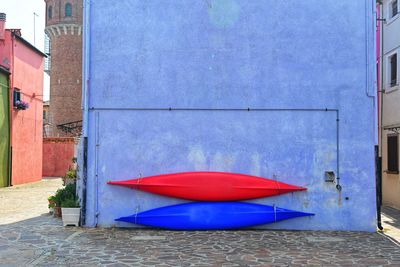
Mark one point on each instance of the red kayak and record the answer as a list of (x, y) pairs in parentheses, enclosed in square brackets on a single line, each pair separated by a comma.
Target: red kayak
[(210, 186)]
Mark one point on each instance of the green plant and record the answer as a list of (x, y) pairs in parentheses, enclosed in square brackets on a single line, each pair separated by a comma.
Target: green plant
[(70, 190), (52, 201), (71, 174), (63, 194), (58, 197), (70, 203)]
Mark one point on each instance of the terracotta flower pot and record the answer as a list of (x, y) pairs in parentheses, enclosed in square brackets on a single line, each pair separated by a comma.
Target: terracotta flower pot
[(57, 211)]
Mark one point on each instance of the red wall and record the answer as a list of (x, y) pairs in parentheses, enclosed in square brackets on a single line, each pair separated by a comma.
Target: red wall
[(5, 51), (57, 156), (26, 67)]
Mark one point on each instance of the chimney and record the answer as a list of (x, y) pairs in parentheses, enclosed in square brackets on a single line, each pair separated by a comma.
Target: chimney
[(2, 26)]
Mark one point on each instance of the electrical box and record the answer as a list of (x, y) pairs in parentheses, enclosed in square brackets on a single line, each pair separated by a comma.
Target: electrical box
[(330, 176)]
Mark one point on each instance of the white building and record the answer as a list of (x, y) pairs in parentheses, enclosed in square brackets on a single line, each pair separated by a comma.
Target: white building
[(390, 102)]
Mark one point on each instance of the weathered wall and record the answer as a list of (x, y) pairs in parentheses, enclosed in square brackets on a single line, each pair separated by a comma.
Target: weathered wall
[(65, 81), (57, 156), (27, 125), (218, 58)]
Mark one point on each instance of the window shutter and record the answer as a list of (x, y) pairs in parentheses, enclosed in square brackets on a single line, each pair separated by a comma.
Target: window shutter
[(395, 8), (393, 70), (393, 153)]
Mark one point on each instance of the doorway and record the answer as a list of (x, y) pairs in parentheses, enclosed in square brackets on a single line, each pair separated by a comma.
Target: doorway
[(4, 131)]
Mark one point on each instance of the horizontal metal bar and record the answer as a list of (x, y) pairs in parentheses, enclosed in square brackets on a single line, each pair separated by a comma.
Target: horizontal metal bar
[(338, 186), (72, 122), (215, 109)]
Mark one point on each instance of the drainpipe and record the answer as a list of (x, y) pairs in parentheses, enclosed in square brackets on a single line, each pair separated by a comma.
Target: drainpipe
[(11, 90), (85, 102), (369, 17), (378, 175), (379, 152)]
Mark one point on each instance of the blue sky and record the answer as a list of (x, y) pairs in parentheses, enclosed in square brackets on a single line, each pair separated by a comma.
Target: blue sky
[(20, 16)]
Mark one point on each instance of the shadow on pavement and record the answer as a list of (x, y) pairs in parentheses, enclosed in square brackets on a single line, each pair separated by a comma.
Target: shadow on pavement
[(392, 216)]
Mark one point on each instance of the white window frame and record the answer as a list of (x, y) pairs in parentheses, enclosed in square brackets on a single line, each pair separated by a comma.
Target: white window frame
[(389, 12), (390, 88)]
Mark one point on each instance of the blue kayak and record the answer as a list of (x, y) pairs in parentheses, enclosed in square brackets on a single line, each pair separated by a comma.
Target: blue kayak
[(212, 216)]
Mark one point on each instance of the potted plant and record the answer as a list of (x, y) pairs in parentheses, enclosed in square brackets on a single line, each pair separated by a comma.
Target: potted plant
[(71, 211), (52, 203), (57, 202), (21, 105), (70, 177), (63, 194), (68, 203)]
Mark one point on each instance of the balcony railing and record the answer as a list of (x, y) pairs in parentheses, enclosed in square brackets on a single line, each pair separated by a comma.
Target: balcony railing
[(72, 128)]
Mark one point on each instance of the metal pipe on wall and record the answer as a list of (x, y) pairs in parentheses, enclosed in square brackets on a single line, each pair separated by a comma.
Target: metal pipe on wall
[(96, 169), (338, 185), (381, 91), (85, 102)]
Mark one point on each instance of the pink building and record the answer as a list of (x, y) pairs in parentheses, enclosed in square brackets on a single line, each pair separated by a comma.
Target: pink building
[(23, 114)]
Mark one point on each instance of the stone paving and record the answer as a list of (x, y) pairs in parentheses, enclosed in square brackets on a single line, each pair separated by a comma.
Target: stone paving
[(42, 241)]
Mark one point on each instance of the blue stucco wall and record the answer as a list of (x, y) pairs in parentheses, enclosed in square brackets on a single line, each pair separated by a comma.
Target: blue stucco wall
[(143, 56)]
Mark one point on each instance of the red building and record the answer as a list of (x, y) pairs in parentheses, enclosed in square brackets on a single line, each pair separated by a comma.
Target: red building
[(22, 108)]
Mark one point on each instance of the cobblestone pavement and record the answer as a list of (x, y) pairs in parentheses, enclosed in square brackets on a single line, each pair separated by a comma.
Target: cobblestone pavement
[(42, 241)]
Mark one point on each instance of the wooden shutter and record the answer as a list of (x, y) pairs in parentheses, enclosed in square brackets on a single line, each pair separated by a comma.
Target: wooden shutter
[(395, 8), (393, 153), (393, 70)]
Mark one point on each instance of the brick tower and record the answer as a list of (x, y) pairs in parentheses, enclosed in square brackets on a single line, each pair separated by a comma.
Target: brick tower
[(64, 29)]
